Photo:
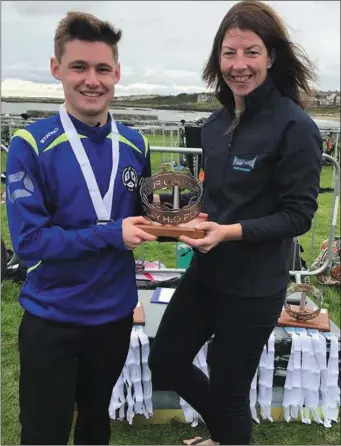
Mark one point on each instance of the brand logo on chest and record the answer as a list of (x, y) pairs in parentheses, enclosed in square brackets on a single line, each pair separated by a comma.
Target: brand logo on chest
[(243, 164), (47, 136)]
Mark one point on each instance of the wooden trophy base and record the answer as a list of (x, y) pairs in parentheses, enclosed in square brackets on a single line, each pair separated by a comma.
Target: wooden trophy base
[(320, 322), (171, 231)]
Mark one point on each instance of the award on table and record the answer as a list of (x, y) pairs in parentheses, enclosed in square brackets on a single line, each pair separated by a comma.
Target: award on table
[(304, 315), (169, 219)]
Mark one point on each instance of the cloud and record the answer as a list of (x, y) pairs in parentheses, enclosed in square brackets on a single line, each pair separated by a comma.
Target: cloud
[(50, 8), (150, 88), (31, 89), (18, 87), (164, 44)]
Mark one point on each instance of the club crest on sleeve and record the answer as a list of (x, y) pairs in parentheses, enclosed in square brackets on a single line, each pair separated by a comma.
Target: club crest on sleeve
[(130, 178)]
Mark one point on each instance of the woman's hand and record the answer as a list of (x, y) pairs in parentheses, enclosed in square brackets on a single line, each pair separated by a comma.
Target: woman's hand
[(193, 223), (214, 234)]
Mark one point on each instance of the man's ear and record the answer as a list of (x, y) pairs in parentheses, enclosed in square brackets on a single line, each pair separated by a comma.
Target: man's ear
[(55, 68), (117, 72)]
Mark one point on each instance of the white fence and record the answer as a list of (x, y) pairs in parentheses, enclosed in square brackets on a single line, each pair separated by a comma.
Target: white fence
[(168, 146)]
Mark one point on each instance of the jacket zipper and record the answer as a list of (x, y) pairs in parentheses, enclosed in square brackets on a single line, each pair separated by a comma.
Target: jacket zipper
[(231, 129)]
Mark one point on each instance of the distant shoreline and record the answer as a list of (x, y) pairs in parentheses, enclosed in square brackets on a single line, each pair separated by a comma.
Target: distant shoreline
[(117, 103), (323, 112), (19, 99), (335, 117)]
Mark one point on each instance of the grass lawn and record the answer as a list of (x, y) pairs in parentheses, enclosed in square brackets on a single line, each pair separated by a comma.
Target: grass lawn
[(174, 432)]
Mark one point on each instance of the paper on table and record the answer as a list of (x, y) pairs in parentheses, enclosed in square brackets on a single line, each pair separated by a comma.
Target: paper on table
[(166, 294)]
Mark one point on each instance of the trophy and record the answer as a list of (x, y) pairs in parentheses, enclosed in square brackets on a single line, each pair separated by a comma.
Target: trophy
[(170, 217), (304, 315)]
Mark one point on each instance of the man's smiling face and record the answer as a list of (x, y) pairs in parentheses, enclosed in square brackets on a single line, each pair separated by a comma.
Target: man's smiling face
[(89, 73)]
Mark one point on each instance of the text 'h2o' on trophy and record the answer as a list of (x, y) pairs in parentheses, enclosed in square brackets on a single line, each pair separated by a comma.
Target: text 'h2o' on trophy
[(171, 216)]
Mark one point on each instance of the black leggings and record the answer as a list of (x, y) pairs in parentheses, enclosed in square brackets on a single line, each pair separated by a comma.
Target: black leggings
[(241, 327)]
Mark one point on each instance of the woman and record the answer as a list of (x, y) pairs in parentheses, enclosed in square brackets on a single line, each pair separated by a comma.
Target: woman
[(262, 161)]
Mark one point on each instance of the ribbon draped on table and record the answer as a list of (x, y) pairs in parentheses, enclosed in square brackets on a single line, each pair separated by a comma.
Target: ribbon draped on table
[(132, 393), (311, 390)]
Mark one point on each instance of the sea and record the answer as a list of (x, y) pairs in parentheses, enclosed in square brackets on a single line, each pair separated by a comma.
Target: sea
[(16, 108)]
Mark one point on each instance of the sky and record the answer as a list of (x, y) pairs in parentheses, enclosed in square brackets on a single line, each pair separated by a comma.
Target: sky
[(164, 44)]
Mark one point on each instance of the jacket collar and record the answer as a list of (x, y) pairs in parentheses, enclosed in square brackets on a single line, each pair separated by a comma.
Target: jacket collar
[(253, 101), (92, 132)]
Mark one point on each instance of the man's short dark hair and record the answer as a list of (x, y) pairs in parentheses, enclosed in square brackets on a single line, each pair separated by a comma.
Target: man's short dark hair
[(86, 27)]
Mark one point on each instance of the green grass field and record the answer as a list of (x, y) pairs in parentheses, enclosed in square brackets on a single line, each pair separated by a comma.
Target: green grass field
[(173, 433)]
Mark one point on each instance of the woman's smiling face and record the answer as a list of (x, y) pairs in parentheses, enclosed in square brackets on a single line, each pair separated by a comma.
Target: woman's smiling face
[(244, 61)]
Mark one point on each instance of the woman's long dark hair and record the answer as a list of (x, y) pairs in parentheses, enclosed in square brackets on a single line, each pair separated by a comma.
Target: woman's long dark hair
[(291, 70)]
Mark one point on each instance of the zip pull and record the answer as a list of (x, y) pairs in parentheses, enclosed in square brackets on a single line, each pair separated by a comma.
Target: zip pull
[(234, 123)]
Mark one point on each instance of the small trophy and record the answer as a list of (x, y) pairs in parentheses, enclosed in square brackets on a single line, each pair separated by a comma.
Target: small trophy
[(303, 315), (171, 216)]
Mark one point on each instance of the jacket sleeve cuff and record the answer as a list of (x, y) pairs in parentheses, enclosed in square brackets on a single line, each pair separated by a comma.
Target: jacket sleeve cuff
[(113, 234), (248, 230)]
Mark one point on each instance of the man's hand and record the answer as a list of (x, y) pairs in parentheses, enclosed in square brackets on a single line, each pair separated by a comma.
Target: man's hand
[(214, 234), (133, 236)]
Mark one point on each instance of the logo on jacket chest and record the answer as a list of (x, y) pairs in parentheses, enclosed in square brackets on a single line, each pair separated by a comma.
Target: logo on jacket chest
[(243, 164), (130, 178)]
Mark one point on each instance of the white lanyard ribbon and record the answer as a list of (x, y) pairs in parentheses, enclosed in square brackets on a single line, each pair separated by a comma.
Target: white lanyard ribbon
[(101, 205)]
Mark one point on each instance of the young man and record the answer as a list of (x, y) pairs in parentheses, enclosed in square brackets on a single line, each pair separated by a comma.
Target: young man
[(72, 199)]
